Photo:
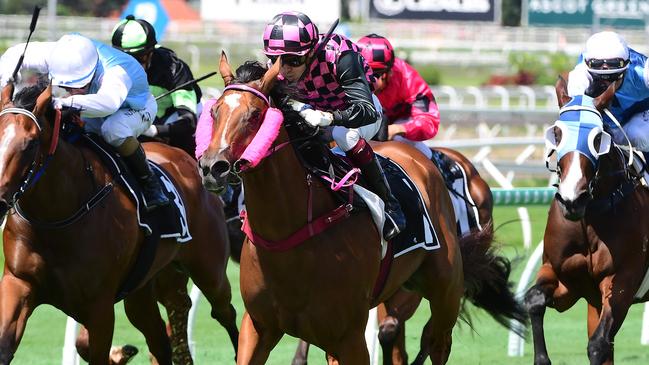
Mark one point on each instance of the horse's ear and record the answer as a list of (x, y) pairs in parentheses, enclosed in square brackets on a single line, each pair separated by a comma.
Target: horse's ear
[(44, 99), (603, 100), (7, 92), (225, 69), (268, 81), (562, 91)]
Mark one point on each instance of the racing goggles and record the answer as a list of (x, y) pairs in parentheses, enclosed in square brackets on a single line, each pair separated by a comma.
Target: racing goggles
[(598, 64), (290, 60)]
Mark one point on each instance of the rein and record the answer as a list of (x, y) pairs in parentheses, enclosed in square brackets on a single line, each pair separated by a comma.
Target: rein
[(33, 175)]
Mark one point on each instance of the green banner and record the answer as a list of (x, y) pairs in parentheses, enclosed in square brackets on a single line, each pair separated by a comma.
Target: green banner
[(617, 13)]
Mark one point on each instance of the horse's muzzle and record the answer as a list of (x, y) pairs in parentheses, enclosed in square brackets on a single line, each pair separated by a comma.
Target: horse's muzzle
[(214, 174), (574, 209)]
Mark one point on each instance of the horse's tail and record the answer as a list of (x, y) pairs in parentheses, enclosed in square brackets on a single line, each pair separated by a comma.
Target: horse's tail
[(486, 279)]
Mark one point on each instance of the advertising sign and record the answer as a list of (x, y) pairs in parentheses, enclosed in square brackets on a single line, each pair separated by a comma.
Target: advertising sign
[(586, 12), (320, 11), (470, 10)]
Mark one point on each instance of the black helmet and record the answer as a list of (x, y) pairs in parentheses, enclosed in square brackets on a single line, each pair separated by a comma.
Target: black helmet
[(134, 36)]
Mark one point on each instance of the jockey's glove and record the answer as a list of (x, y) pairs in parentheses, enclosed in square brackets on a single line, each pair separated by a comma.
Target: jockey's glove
[(317, 118), (298, 106), (151, 132), (59, 103)]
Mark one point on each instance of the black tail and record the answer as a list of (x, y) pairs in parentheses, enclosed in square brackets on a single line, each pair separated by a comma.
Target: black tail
[(486, 279)]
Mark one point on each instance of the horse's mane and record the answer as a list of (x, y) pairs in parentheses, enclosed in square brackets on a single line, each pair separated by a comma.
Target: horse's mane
[(26, 97)]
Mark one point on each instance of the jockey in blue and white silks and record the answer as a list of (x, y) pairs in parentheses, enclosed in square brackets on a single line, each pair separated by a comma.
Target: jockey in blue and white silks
[(607, 59)]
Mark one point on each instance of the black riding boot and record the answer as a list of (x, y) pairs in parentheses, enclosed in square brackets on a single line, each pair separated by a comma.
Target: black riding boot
[(153, 193), (395, 220)]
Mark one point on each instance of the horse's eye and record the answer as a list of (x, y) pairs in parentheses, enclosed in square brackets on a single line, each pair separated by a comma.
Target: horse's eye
[(597, 141)]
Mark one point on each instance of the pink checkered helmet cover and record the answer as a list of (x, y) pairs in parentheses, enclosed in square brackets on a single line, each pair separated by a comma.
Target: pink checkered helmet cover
[(290, 32)]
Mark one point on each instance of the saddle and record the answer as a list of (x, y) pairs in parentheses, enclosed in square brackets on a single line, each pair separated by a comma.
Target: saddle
[(164, 222)]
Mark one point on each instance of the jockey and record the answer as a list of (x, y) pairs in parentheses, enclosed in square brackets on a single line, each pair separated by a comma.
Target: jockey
[(408, 103), (175, 121), (337, 93), (607, 59), (111, 90)]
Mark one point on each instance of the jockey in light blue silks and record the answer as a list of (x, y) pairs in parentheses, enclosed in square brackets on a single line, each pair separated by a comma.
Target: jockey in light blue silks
[(607, 59), (111, 90)]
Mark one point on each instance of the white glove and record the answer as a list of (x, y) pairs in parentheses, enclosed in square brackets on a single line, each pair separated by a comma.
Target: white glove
[(317, 118), (151, 132), (298, 106), (59, 103)]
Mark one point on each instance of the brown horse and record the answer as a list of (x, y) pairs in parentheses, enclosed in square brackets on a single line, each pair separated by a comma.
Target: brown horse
[(394, 312), (80, 266), (595, 239), (331, 275)]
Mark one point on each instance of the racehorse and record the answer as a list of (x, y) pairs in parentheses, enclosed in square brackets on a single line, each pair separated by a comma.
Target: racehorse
[(331, 274), (79, 267), (394, 312), (595, 244)]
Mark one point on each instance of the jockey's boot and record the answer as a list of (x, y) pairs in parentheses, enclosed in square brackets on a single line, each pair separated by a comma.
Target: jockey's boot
[(364, 158), (137, 163)]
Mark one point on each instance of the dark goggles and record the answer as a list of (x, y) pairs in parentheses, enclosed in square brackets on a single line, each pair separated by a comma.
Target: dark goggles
[(290, 60), (599, 64)]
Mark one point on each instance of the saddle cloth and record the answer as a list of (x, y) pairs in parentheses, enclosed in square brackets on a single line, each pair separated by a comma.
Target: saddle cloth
[(166, 222)]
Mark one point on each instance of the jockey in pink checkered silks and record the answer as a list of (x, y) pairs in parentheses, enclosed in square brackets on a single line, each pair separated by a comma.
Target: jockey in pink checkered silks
[(334, 92)]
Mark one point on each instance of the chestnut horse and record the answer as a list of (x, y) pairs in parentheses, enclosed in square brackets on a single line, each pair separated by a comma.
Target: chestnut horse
[(332, 274), (394, 312), (80, 266), (595, 243)]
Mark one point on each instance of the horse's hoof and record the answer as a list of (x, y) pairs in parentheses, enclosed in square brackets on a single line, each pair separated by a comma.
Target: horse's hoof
[(122, 355), (542, 360)]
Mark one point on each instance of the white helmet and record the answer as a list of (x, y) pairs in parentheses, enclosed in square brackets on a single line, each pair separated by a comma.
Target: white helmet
[(73, 61), (606, 48)]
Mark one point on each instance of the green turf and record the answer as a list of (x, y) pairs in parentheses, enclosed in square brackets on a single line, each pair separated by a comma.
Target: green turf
[(566, 332)]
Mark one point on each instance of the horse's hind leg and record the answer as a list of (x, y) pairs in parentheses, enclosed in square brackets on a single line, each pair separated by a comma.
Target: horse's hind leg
[(213, 283), (142, 310), (16, 305), (119, 355), (170, 287)]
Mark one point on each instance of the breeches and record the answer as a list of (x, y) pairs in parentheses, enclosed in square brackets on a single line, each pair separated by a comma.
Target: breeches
[(346, 138), (123, 123)]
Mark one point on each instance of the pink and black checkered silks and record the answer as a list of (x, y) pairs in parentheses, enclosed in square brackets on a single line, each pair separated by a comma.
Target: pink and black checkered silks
[(290, 33), (377, 51), (320, 87)]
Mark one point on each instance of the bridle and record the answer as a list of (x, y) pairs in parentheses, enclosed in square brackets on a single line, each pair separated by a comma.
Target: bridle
[(35, 170)]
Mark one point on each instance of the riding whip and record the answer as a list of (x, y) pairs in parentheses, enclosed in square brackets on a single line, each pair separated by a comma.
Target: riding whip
[(185, 84), (32, 26)]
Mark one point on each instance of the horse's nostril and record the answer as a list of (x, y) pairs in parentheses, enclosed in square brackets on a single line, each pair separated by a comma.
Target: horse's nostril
[(205, 170), (220, 168)]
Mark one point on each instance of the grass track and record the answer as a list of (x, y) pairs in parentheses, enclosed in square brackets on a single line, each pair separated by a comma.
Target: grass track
[(566, 333)]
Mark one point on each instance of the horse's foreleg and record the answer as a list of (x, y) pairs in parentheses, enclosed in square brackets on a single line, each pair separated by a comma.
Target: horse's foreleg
[(393, 315), (255, 342), (100, 334), (142, 311), (301, 353), (547, 291), (352, 349), (171, 290), (615, 306), (16, 305)]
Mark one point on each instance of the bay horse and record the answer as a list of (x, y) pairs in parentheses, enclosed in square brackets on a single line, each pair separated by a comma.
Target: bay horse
[(79, 267), (595, 241), (321, 290)]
